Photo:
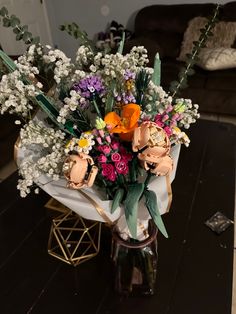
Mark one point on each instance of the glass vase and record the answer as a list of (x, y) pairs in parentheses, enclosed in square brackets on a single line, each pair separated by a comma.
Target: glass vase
[(135, 264)]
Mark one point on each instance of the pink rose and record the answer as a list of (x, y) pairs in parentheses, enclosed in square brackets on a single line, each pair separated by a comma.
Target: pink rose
[(127, 156), (108, 138), (115, 157), (168, 130), (158, 117), (165, 118), (108, 171), (99, 140), (105, 149), (159, 123), (169, 108), (115, 145), (102, 158), (122, 167), (101, 133)]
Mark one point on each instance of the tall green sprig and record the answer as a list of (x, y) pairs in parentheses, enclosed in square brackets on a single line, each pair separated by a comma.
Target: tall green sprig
[(141, 82), (186, 71), (21, 31)]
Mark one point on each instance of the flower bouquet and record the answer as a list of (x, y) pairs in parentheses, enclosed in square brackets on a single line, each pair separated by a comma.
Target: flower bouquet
[(99, 134)]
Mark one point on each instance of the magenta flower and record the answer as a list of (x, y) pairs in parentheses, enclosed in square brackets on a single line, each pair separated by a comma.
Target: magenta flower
[(101, 133), (99, 140), (115, 157), (165, 118), (102, 158), (105, 149), (122, 167), (115, 145), (108, 138), (169, 108), (126, 156), (168, 130), (108, 171), (159, 123)]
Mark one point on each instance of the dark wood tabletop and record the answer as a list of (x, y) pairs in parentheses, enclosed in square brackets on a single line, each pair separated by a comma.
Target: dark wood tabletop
[(195, 265)]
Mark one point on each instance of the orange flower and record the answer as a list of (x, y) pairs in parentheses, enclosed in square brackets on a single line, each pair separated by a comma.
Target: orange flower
[(125, 124)]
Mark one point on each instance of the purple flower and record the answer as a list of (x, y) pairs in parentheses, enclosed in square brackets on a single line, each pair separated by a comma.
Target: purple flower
[(129, 75), (126, 98), (90, 86)]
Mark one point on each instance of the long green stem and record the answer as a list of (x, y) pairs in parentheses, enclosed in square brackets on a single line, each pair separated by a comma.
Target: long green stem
[(197, 48), (96, 108), (148, 178)]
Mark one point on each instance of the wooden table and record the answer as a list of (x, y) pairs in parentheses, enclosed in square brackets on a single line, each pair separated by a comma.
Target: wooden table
[(195, 264)]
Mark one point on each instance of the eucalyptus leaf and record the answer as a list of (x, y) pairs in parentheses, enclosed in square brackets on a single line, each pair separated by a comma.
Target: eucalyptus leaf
[(26, 36), (151, 203), (36, 40), (14, 21), (191, 58), (19, 36), (117, 199), (6, 22), (191, 72), (131, 201), (16, 30), (3, 11)]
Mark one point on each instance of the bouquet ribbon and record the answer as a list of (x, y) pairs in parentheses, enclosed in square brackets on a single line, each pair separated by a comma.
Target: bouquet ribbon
[(98, 208), (169, 192)]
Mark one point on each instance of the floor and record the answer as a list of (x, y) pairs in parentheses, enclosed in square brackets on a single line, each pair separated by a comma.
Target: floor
[(11, 167)]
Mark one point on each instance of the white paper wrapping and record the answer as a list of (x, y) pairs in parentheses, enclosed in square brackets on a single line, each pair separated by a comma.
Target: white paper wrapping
[(80, 205)]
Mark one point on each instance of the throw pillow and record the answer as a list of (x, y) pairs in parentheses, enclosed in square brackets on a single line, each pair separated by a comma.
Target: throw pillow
[(217, 58), (224, 34)]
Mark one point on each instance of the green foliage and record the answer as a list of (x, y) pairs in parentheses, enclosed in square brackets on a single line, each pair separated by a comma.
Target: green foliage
[(117, 199), (142, 80), (74, 30), (110, 99), (151, 203), (121, 45), (131, 201), (192, 58), (21, 32)]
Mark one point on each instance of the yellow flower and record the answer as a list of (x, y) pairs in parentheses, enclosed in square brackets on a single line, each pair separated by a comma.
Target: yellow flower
[(83, 142)]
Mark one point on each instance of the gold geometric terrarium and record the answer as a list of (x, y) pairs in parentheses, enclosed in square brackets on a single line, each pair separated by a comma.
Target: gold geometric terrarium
[(74, 240)]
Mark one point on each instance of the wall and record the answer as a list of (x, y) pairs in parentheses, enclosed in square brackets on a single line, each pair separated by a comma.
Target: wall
[(94, 16)]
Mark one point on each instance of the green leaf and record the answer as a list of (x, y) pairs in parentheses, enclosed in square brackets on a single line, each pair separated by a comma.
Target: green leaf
[(19, 36), (26, 36), (117, 199), (3, 11), (110, 97), (6, 22), (121, 45), (16, 30), (14, 21), (36, 40), (191, 72), (151, 203), (134, 193)]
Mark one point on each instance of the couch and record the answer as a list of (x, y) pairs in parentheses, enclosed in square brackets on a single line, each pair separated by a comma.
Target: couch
[(161, 28)]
